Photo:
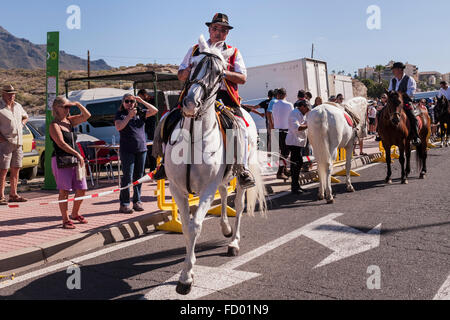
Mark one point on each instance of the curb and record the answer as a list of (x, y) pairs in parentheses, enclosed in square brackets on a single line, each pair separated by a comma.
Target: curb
[(24, 259), (27, 258)]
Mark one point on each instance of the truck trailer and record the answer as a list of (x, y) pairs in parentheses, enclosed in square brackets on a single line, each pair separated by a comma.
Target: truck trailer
[(307, 74)]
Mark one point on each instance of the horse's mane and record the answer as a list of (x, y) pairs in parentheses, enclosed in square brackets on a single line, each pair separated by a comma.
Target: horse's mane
[(215, 49)]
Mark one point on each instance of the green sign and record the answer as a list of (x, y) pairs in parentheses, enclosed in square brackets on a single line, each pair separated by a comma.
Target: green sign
[(52, 77)]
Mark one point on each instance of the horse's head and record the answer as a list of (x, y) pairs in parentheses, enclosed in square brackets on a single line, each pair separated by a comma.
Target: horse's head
[(395, 106), (205, 78)]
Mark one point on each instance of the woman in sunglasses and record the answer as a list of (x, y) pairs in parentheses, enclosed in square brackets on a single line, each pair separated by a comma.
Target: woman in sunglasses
[(133, 148), (64, 144)]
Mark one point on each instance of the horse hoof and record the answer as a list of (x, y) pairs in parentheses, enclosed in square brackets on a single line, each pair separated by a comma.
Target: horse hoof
[(183, 289), (330, 201), (404, 181), (319, 198), (233, 252), (388, 181), (351, 189), (229, 235), (422, 176)]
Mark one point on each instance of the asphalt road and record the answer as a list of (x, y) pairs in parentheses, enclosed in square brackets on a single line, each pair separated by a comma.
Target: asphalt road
[(409, 255)]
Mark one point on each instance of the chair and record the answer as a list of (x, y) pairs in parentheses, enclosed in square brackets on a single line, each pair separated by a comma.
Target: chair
[(102, 158)]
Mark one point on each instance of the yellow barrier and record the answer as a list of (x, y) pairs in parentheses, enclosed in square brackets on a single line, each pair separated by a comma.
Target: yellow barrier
[(341, 158), (394, 153), (174, 225)]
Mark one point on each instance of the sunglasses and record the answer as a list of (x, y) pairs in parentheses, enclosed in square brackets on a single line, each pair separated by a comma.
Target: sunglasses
[(130, 101)]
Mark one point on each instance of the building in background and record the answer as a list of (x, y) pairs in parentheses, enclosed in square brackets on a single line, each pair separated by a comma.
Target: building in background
[(430, 77), (386, 74)]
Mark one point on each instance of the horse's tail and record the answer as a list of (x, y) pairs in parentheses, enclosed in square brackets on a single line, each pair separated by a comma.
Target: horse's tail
[(257, 193), (318, 132)]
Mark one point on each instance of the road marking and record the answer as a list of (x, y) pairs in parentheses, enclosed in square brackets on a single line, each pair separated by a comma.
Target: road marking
[(344, 241), (444, 291)]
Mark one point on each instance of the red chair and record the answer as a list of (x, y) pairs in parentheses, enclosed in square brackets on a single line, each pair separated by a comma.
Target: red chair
[(102, 158)]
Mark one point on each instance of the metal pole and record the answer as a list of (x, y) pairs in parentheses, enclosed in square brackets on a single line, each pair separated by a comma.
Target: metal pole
[(89, 68)]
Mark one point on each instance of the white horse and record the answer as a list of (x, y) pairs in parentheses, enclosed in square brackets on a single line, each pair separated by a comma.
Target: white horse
[(207, 157), (329, 130)]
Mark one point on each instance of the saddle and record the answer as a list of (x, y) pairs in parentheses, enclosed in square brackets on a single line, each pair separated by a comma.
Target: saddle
[(225, 116), (352, 119)]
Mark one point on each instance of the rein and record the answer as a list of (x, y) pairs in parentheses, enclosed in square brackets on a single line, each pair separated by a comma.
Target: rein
[(207, 95)]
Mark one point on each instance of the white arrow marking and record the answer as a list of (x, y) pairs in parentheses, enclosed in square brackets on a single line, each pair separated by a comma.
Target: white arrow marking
[(343, 240), (444, 291)]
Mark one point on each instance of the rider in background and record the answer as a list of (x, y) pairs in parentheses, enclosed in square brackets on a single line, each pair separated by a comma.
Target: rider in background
[(406, 84), (228, 92)]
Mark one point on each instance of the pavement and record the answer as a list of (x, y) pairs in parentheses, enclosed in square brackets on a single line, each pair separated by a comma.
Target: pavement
[(32, 234)]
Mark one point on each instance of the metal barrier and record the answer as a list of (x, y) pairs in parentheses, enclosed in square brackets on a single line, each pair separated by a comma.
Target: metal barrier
[(174, 225)]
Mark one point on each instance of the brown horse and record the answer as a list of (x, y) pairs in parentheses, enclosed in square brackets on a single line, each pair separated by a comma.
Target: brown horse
[(394, 129)]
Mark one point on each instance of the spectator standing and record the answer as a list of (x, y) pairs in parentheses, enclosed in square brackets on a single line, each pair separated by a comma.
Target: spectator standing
[(372, 119), (317, 102), (150, 126), (332, 99), (64, 144), (280, 112), (340, 98), (308, 96), (133, 148), (269, 109), (296, 141), (12, 119)]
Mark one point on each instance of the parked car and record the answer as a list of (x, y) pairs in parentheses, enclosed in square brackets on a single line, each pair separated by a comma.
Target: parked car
[(30, 160), (37, 126)]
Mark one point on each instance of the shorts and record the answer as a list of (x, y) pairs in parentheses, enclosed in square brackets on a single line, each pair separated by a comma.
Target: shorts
[(66, 178), (372, 121), (11, 155)]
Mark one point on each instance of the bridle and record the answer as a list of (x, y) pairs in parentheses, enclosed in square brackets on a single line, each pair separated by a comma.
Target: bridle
[(207, 93)]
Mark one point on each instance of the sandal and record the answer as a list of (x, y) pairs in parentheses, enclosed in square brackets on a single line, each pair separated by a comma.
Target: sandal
[(68, 225), (17, 199), (3, 201), (80, 219)]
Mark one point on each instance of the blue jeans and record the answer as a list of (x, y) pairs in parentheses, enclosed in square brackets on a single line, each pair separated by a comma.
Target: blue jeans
[(133, 165)]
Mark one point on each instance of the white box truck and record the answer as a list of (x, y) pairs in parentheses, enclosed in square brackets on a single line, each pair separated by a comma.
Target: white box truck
[(341, 84), (307, 74)]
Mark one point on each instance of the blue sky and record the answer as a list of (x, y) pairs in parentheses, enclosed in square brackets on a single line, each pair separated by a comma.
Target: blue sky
[(138, 31)]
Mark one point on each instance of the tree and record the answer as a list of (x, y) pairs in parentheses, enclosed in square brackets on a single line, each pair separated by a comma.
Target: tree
[(378, 69)]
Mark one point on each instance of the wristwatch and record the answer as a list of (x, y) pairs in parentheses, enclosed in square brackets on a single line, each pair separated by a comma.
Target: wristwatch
[(224, 74)]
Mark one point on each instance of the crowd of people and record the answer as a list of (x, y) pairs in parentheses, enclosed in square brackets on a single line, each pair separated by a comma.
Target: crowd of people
[(284, 119)]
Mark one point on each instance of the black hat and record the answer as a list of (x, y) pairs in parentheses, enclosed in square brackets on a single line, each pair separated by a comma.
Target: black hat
[(220, 18), (398, 65)]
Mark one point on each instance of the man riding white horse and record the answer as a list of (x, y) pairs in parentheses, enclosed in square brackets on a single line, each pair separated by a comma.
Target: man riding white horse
[(406, 84), (228, 93)]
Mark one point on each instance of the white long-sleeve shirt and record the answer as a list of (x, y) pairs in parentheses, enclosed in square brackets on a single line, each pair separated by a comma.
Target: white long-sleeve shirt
[(295, 137)]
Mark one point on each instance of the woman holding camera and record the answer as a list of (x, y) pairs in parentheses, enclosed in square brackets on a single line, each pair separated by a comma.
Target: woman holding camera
[(64, 144), (130, 122)]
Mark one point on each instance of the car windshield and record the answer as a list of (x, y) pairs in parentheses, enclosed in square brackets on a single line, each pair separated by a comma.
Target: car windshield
[(102, 113), (38, 125)]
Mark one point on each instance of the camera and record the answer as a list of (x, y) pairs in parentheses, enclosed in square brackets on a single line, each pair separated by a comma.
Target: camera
[(141, 112)]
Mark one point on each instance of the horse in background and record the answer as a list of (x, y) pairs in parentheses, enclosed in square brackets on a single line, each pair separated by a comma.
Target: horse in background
[(330, 128), (195, 158), (442, 116), (394, 128)]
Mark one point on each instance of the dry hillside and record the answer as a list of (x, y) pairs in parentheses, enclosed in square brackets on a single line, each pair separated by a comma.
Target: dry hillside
[(31, 83)]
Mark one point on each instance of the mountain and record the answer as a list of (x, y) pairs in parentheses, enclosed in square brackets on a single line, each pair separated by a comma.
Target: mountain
[(22, 54)]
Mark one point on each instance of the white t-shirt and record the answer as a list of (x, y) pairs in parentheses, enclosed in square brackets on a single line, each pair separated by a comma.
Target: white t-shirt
[(239, 65), (280, 113), (372, 112), (445, 93)]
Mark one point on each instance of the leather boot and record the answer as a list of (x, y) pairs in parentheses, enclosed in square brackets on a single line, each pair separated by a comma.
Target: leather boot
[(281, 175), (160, 173), (414, 127)]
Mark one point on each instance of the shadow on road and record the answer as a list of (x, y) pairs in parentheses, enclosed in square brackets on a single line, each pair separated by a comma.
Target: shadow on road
[(122, 279)]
